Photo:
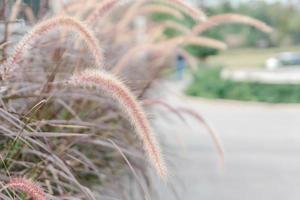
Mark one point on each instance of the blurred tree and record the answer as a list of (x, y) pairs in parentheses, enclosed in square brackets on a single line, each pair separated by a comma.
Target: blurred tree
[(284, 17)]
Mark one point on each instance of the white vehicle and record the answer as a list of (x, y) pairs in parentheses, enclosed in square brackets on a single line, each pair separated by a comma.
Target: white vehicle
[(286, 59)]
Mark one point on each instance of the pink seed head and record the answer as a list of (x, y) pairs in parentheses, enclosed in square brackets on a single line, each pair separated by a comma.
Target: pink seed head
[(28, 187)]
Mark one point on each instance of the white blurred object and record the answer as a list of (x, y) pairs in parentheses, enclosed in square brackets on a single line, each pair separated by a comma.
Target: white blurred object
[(272, 63), (287, 75), (283, 60)]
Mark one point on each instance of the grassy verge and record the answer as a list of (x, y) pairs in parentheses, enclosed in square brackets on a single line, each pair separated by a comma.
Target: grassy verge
[(207, 83), (248, 57)]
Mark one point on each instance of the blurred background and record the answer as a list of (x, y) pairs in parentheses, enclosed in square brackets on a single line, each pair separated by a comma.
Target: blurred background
[(258, 124), (248, 94)]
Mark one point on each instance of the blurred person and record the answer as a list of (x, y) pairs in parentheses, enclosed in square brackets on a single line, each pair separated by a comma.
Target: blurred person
[(180, 66)]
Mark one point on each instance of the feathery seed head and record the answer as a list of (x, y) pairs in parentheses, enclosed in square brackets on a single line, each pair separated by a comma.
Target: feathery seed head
[(103, 8), (177, 26), (108, 83), (161, 9), (121, 64), (231, 18), (208, 42), (196, 13), (28, 187), (201, 41), (61, 22)]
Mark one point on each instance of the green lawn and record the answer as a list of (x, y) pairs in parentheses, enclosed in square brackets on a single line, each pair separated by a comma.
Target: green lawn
[(208, 83), (246, 58)]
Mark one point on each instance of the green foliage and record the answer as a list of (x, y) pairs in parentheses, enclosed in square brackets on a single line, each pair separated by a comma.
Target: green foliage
[(194, 50), (284, 18), (203, 52), (207, 83)]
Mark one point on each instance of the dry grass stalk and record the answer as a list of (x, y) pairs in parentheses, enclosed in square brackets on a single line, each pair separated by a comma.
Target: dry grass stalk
[(177, 26), (66, 23), (131, 54), (76, 9), (231, 18), (196, 13), (103, 8), (155, 33), (164, 104), (29, 14), (149, 9), (129, 15), (3, 45), (170, 44), (28, 187), (197, 116), (204, 41), (74, 5), (105, 82), (213, 135), (15, 10), (201, 41)]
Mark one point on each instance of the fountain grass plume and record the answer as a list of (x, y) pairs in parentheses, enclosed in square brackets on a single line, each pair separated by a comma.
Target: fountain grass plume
[(74, 5), (155, 32), (196, 13), (231, 18), (131, 53), (101, 9), (204, 41), (28, 187), (61, 22), (150, 9), (167, 45), (201, 41), (103, 81), (75, 8), (129, 15), (174, 25)]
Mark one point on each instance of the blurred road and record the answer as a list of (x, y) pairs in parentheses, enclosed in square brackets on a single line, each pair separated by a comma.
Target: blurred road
[(261, 142)]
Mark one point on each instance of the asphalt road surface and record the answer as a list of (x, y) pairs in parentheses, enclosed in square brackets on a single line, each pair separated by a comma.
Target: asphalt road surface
[(261, 143)]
